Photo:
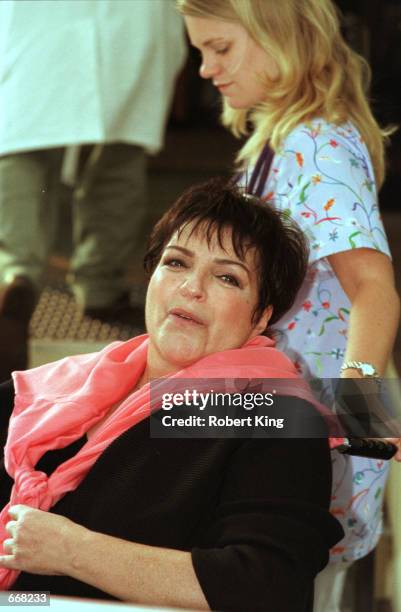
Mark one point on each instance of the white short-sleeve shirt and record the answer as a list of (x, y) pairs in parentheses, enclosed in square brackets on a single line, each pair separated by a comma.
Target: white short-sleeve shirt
[(85, 71)]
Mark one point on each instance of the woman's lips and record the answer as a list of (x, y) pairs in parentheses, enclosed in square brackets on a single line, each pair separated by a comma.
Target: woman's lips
[(222, 86), (185, 317)]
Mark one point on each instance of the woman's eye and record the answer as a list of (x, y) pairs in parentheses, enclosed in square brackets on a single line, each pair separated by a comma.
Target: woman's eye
[(173, 262), (222, 51), (229, 279)]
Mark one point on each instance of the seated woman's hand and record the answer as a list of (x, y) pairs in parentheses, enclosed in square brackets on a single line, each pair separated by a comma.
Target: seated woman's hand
[(397, 442), (39, 542)]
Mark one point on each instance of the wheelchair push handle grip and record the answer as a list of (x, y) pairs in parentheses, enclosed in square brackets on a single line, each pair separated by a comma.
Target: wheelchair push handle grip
[(371, 448)]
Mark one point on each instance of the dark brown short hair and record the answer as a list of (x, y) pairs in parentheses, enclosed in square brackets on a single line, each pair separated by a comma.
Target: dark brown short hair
[(280, 246)]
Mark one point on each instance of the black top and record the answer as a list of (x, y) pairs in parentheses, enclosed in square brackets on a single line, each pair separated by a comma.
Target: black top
[(252, 512)]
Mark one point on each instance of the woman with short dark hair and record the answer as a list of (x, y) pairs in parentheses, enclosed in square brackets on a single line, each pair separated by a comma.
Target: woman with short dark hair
[(228, 524)]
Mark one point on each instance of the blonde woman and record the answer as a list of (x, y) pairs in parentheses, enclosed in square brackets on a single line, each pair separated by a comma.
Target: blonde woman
[(288, 78)]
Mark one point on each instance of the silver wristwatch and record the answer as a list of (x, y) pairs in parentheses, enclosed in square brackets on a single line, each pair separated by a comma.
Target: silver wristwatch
[(367, 370)]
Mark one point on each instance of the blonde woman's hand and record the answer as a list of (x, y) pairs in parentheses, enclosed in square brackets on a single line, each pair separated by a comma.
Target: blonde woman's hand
[(397, 442), (39, 542)]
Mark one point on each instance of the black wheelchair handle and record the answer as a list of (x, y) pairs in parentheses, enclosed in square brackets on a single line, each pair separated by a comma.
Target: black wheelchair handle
[(372, 448)]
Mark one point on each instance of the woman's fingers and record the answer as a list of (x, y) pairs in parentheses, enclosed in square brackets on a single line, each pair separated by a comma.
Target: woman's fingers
[(39, 542), (9, 546), (9, 562), (11, 527), (18, 510), (8, 559), (397, 442)]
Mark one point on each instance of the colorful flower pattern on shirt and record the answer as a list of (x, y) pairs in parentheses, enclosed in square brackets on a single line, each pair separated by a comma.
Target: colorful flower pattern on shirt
[(323, 178)]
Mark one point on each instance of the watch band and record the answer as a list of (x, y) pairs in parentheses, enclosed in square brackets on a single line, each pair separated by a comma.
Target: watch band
[(366, 369)]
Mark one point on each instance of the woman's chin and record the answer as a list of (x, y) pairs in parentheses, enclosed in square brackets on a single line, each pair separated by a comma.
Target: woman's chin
[(237, 103), (234, 104), (182, 354)]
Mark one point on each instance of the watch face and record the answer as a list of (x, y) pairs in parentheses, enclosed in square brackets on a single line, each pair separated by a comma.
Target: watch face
[(367, 369)]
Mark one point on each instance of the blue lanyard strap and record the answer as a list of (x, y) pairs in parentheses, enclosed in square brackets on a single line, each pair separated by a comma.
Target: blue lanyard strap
[(260, 172)]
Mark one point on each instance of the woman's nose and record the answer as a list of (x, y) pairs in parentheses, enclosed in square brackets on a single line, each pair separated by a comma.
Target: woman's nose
[(192, 287), (209, 68)]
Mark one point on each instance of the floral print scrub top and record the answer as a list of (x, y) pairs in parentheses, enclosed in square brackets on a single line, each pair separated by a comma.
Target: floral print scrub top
[(323, 178)]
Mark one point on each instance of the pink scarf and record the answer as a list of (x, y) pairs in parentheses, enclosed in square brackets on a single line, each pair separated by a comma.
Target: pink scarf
[(59, 402)]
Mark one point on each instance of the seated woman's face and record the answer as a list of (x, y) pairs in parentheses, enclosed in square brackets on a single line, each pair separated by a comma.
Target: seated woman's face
[(200, 300)]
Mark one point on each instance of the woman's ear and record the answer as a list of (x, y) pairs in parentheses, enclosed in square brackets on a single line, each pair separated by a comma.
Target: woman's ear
[(263, 321)]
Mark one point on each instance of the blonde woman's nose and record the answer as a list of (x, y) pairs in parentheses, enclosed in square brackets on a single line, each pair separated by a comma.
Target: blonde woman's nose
[(209, 68)]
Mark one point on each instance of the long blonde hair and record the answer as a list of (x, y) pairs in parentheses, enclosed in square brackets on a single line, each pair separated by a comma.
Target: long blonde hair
[(319, 74)]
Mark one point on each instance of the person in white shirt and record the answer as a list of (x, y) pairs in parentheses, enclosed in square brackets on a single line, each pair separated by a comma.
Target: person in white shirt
[(92, 75)]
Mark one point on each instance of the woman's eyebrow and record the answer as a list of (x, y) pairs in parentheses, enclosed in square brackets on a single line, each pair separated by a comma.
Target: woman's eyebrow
[(209, 42), (233, 262), (212, 41), (182, 249), (218, 260)]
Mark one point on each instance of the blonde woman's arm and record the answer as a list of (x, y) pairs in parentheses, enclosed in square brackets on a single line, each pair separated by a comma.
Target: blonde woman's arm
[(367, 278)]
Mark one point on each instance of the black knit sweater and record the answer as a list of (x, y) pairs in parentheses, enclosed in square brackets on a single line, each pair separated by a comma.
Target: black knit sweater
[(252, 512)]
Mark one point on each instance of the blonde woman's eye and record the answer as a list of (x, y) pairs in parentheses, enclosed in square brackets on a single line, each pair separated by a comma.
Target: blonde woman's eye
[(229, 279), (222, 51)]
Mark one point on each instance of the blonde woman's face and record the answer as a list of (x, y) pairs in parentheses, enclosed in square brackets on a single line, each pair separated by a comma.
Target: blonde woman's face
[(234, 62)]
